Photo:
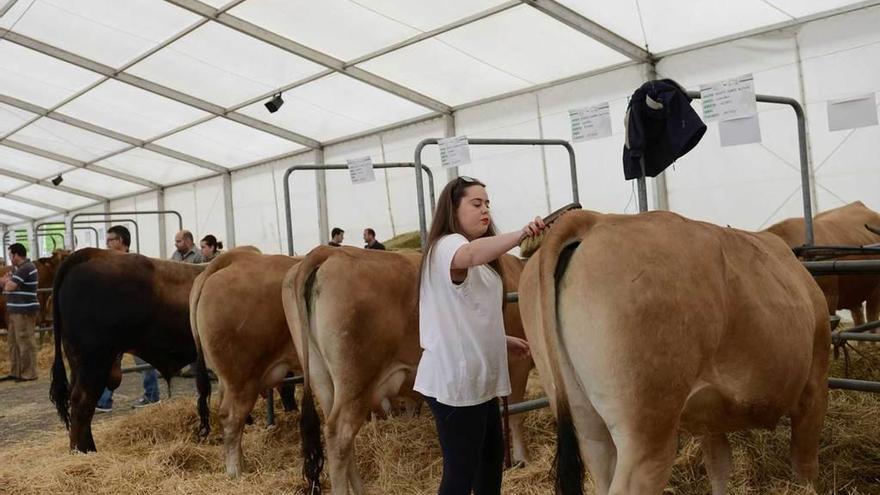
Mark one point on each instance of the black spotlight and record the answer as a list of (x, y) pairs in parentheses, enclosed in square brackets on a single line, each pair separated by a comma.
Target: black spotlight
[(57, 180), (275, 103)]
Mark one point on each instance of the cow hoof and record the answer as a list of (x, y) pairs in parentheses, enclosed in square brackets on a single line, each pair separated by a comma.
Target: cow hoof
[(204, 432)]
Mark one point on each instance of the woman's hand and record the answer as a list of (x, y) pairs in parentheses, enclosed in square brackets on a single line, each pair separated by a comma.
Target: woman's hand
[(518, 347), (532, 229)]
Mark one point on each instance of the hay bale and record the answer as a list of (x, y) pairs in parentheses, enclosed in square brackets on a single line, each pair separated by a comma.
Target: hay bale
[(407, 240)]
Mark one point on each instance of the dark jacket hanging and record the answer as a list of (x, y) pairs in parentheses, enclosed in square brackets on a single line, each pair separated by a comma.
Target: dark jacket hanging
[(660, 125)]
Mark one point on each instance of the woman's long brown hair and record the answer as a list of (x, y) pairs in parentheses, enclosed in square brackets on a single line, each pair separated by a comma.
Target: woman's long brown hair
[(445, 219)]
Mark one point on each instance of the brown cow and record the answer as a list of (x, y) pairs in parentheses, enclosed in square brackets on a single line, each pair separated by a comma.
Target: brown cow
[(361, 346), (240, 333), (723, 330), (108, 303), (844, 226), (46, 269)]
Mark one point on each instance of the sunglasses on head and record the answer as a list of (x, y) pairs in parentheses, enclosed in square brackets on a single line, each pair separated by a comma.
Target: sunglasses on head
[(465, 178)]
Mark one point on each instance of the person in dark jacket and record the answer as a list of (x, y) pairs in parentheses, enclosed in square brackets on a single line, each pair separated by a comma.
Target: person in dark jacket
[(370, 240)]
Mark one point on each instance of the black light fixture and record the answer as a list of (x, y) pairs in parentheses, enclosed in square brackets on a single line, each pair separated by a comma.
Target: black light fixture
[(57, 180), (275, 103)]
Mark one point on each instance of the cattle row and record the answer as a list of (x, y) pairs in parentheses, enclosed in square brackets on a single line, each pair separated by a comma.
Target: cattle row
[(640, 326)]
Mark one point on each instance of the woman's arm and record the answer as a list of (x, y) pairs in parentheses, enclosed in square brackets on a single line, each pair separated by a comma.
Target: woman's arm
[(485, 249)]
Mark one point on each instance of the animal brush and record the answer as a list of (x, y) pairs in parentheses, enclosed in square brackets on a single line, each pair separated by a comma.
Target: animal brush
[(529, 245)]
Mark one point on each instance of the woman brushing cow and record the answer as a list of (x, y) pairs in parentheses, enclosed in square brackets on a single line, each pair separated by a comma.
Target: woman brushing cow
[(463, 369)]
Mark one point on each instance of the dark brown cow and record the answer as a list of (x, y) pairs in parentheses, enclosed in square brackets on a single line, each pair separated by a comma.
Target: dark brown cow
[(844, 226), (46, 269), (353, 315), (108, 303), (241, 334)]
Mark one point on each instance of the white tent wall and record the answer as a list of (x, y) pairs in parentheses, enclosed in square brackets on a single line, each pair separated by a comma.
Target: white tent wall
[(258, 206), (841, 59), (600, 168), (201, 205), (83, 236), (748, 186)]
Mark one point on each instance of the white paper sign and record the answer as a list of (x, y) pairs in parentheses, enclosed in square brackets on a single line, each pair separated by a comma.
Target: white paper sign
[(361, 170), (731, 99), (850, 113), (590, 123), (740, 131), (454, 151)]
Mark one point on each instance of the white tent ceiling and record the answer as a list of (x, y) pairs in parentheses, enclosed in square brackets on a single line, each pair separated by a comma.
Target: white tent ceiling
[(124, 97)]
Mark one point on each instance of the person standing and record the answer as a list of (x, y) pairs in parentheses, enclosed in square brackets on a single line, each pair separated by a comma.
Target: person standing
[(185, 250), (22, 306), (463, 369), (370, 241), (209, 247), (336, 237)]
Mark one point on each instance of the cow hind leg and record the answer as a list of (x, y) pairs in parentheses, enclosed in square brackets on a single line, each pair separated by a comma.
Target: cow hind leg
[(519, 376), (718, 458), (234, 412), (806, 430), (644, 461), (341, 429), (87, 388)]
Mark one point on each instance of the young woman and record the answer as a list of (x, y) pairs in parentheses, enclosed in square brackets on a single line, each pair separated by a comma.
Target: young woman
[(210, 247), (463, 369)]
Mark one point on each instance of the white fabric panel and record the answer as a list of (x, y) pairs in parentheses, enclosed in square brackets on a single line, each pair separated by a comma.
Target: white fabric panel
[(531, 46), (238, 66), (436, 69), (839, 61), (749, 186), (399, 146), (355, 207), (153, 166), (322, 28), (24, 208), (53, 197), (108, 32), (513, 174), (66, 140), (258, 200), (335, 106), (8, 220), (801, 8), (131, 111), (228, 143), (28, 164), (37, 78), (12, 118), (426, 15), (8, 183), (621, 17), (599, 162), (201, 205), (100, 184), (148, 225)]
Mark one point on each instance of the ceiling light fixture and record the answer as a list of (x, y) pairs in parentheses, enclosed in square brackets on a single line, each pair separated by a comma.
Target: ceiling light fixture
[(275, 103)]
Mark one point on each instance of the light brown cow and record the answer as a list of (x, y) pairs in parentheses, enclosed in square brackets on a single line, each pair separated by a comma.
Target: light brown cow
[(723, 330), (844, 226), (358, 339), (241, 334)]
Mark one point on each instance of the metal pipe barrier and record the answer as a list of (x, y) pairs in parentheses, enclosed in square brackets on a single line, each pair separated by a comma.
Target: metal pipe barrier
[(802, 151), (107, 217), (849, 267), (270, 399), (856, 385), (137, 229), (288, 216), (74, 228), (420, 187), (838, 338)]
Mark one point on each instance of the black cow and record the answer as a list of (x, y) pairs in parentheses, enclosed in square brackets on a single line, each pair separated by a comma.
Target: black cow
[(107, 303)]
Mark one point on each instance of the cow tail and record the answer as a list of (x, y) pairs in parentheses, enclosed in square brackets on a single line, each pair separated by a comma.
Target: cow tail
[(554, 255), (59, 389), (297, 299), (203, 381)]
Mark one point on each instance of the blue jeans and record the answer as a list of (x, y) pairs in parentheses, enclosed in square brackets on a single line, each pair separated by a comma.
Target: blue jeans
[(106, 400), (151, 382)]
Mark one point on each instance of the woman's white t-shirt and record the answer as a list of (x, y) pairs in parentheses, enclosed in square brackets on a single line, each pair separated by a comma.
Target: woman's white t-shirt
[(461, 329)]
